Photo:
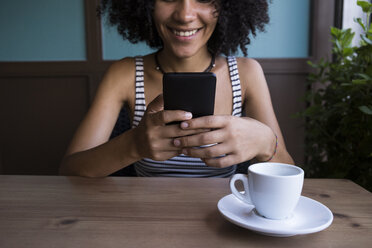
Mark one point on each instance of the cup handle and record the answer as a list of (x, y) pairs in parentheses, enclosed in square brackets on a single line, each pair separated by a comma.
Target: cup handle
[(245, 197)]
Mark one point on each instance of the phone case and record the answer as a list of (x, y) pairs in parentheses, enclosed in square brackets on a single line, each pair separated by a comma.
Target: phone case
[(193, 92)]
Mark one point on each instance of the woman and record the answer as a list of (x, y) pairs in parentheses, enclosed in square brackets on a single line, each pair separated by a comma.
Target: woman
[(191, 35)]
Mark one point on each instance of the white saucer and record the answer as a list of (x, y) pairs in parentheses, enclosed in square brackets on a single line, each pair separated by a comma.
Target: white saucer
[(309, 216)]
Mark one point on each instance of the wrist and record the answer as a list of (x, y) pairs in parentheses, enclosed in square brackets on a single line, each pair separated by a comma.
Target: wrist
[(130, 145), (269, 149)]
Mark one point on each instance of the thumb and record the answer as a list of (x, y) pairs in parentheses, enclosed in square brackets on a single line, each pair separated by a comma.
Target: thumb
[(156, 105)]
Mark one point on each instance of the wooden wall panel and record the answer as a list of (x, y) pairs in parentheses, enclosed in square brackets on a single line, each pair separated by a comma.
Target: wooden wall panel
[(38, 118), (286, 91)]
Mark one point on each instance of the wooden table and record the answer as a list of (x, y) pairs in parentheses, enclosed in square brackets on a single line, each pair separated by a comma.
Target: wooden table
[(53, 211)]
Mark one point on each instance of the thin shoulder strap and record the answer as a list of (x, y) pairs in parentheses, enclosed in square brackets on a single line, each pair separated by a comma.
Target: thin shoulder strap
[(140, 103), (235, 83)]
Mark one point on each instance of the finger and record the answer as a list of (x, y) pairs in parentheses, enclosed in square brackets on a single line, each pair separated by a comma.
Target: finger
[(212, 151), (162, 156), (205, 138), (156, 105), (221, 162), (173, 131), (168, 116), (212, 121), (164, 145)]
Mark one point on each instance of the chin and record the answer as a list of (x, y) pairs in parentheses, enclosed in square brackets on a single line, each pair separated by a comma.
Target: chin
[(184, 52)]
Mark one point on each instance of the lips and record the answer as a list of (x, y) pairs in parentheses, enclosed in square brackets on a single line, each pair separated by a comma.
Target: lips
[(185, 33)]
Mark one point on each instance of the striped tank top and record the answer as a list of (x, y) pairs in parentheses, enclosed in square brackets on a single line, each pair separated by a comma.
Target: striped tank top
[(182, 165)]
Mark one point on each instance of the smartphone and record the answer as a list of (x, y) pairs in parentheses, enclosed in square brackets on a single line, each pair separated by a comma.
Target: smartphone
[(190, 91)]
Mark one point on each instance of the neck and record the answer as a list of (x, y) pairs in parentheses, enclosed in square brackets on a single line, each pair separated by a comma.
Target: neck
[(196, 63)]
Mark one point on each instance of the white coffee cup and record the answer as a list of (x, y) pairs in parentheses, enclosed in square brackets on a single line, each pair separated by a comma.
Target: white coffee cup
[(273, 188)]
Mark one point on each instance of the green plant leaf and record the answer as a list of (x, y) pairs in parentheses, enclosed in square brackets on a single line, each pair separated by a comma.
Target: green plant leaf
[(369, 70), (364, 76), (348, 51), (360, 81), (338, 46), (312, 110), (366, 109), (310, 63), (339, 120), (366, 39), (366, 6), (335, 32), (359, 20), (347, 37)]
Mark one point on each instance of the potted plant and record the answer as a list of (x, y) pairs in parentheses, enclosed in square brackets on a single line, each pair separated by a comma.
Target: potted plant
[(339, 113)]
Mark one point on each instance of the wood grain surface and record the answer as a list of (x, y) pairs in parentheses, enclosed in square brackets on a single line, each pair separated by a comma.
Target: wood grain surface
[(54, 211)]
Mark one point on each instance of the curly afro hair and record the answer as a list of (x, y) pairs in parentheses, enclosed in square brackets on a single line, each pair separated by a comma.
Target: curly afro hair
[(237, 20)]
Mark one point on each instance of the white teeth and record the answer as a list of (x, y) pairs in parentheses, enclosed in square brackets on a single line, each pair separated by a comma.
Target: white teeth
[(184, 34)]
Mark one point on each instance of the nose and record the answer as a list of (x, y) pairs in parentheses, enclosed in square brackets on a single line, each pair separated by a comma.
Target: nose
[(185, 11)]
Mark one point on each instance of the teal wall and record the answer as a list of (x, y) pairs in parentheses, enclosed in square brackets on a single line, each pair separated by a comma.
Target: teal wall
[(53, 30), (286, 36), (42, 30)]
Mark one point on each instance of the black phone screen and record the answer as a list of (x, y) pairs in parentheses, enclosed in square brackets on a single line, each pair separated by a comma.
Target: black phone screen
[(193, 92)]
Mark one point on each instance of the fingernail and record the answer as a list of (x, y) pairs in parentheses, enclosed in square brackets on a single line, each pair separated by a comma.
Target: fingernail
[(188, 115), (184, 125), (176, 142)]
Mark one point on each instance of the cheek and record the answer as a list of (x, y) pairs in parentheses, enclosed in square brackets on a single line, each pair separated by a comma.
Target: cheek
[(212, 26), (157, 17), (159, 23), (210, 17), (160, 13)]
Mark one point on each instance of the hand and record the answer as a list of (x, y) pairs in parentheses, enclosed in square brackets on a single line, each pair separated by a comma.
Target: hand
[(236, 139), (154, 139)]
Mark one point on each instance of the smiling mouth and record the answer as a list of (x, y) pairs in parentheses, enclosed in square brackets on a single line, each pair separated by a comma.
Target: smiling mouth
[(187, 33)]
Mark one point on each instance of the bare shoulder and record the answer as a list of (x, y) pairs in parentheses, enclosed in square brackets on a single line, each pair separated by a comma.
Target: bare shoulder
[(249, 68), (122, 67), (119, 77), (116, 88), (252, 77)]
